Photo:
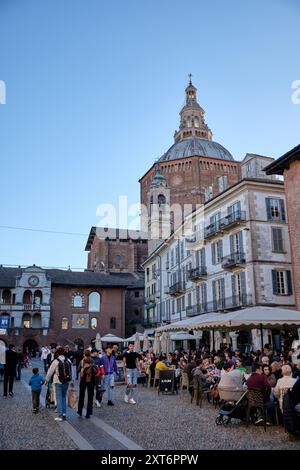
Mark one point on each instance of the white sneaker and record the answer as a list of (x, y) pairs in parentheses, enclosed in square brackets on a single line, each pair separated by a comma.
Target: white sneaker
[(58, 418), (132, 401), (98, 404), (126, 398)]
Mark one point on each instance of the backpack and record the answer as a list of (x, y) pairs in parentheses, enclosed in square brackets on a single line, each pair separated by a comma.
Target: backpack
[(64, 371)]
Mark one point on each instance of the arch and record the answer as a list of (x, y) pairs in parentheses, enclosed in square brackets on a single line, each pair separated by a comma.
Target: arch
[(27, 297), (94, 302), (64, 323), (79, 344), (161, 199), (37, 321), (77, 300), (113, 323), (117, 260), (30, 347), (2, 351), (94, 323), (26, 320), (37, 297), (6, 296)]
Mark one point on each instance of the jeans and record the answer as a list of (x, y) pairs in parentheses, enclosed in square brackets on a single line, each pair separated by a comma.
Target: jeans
[(108, 384), (35, 399), (9, 377), (83, 385), (45, 365), (61, 398), (19, 368), (131, 377)]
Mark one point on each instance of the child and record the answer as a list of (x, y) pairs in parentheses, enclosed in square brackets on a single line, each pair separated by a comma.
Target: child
[(36, 383)]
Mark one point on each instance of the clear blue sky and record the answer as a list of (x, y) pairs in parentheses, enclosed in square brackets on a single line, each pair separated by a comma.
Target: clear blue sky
[(93, 94)]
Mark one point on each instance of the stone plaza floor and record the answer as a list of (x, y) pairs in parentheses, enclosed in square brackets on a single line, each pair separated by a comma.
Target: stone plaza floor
[(156, 422)]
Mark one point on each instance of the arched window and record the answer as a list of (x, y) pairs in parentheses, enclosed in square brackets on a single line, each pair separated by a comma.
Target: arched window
[(196, 122), (113, 323), (94, 323), (37, 298), (94, 302), (27, 297), (161, 199), (6, 296), (189, 122), (64, 323), (77, 300), (26, 320), (37, 321)]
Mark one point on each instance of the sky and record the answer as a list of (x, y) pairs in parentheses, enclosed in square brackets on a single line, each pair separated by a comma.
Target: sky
[(92, 95)]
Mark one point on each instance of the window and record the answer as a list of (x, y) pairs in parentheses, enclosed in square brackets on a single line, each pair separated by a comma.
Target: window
[(168, 261), (189, 301), (183, 303), (64, 323), (282, 282), (113, 323), (94, 302), (215, 220), (77, 300), (222, 183), (26, 321), (94, 323), (137, 312), (178, 305), (172, 258), (182, 249), (148, 274), (118, 260), (208, 193), (217, 252), (235, 208), (277, 240), (236, 243), (275, 209), (136, 293), (218, 288), (161, 199)]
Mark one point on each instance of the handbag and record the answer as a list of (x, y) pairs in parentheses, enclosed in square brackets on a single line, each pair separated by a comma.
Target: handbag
[(72, 396)]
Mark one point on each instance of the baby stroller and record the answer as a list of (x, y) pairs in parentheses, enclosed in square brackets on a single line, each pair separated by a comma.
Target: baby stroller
[(48, 400), (233, 410)]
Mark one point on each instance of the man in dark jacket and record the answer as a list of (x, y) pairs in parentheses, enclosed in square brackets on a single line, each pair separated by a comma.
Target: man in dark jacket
[(259, 381), (11, 358)]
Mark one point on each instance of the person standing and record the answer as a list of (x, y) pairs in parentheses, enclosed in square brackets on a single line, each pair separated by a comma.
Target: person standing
[(96, 359), (61, 371), (36, 383), (131, 367), (110, 368), (11, 359), (45, 351), (88, 371), (19, 364)]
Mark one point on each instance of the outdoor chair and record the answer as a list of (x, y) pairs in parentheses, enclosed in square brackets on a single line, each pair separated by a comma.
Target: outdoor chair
[(156, 377), (198, 390), (256, 401), (184, 381)]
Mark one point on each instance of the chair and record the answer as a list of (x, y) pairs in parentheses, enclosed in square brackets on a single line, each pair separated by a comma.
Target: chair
[(184, 381), (198, 391), (256, 400), (156, 377)]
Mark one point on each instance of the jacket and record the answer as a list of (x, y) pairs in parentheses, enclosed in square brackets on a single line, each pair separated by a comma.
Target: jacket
[(11, 358), (109, 364), (36, 382), (259, 382), (282, 385), (53, 370)]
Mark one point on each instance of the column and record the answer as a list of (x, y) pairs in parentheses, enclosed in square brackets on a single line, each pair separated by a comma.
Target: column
[(218, 339), (233, 336), (198, 336)]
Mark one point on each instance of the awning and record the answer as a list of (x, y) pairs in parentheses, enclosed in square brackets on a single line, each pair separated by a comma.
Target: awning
[(109, 338), (181, 336), (186, 324)]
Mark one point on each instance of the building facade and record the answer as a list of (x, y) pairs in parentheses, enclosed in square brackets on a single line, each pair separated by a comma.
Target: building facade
[(55, 306), (288, 165), (236, 254)]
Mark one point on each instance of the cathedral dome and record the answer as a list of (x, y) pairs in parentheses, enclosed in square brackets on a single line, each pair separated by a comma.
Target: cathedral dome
[(196, 146)]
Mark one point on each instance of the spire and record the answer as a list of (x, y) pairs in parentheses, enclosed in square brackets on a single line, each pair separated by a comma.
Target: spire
[(192, 123), (158, 178)]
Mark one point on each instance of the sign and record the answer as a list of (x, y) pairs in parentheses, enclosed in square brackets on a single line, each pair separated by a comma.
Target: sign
[(166, 381), (4, 322), (2, 332)]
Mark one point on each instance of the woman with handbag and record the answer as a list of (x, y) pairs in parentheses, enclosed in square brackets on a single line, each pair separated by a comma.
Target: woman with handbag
[(88, 372)]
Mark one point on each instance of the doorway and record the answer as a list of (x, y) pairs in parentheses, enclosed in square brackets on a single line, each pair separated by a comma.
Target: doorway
[(30, 347)]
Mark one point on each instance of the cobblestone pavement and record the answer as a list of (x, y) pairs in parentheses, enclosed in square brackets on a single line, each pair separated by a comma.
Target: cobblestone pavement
[(161, 422)]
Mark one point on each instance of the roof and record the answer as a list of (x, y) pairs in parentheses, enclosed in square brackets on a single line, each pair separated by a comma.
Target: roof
[(73, 278), (114, 234), (195, 146), (278, 166)]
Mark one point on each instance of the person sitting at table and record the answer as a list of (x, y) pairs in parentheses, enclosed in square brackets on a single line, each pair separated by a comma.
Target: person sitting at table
[(283, 384), (160, 364)]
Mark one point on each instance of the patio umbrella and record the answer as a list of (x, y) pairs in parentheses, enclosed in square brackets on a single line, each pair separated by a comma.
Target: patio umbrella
[(156, 345), (98, 344), (109, 338), (137, 343), (168, 343), (146, 343), (164, 343)]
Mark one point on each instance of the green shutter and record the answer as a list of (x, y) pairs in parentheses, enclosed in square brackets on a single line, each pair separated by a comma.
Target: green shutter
[(274, 281), (289, 282), (268, 207), (282, 210), (213, 253)]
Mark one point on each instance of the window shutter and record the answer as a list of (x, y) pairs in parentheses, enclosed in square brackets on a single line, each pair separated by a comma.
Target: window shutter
[(203, 263), (243, 286), (268, 207), (204, 296), (220, 248), (231, 244), (223, 292), (233, 286), (282, 210), (274, 281), (213, 253), (289, 282), (214, 293), (241, 246), (238, 207), (197, 258)]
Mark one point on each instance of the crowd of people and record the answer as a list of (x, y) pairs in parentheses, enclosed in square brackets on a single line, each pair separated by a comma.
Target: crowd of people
[(222, 373)]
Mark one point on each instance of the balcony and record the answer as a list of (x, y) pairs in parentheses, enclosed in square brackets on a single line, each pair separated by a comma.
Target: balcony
[(31, 306), (219, 305), (150, 321), (234, 260), (226, 223), (177, 288), (195, 274)]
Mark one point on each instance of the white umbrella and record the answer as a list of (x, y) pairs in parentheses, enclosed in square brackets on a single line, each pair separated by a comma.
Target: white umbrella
[(146, 343), (156, 345), (98, 344), (164, 343), (137, 344), (109, 338), (168, 343)]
